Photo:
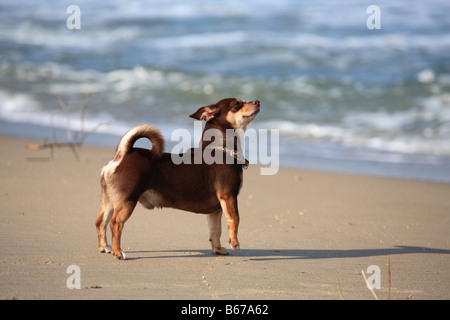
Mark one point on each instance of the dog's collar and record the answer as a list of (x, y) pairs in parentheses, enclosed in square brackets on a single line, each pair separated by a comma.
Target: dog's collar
[(235, 154)]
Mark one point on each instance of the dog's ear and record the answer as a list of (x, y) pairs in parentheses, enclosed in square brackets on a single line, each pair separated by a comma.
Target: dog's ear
[(206, 112)]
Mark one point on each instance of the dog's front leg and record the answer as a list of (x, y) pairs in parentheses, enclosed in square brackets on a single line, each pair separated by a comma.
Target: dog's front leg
[(230, 207)]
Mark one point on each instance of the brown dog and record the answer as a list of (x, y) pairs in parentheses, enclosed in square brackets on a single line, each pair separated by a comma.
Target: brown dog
[(153, 179)]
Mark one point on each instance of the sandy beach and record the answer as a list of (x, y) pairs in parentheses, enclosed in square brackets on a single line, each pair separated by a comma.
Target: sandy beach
[(301, 232)]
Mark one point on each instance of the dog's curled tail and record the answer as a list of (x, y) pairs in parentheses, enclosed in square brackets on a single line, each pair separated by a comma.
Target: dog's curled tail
[(142, 131)]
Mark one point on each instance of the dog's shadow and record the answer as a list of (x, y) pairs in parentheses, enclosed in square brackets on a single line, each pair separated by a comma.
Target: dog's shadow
[(286, 254)]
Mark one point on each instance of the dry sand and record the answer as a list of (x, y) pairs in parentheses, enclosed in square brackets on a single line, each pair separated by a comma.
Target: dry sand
[(300, 231)]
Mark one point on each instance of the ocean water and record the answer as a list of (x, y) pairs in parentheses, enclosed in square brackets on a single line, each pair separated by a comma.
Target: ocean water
[(344, 97)]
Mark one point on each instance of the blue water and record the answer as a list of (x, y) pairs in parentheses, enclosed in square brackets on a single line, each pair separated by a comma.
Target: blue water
[(344, 97)]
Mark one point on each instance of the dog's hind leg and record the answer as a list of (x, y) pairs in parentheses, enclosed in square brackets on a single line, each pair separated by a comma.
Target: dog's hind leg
[(215, 231), (122, 211), (102, 220)]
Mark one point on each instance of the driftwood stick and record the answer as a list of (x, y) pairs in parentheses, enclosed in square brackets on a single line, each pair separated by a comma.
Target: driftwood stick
[(74, 141), (339, 289), (368, 285), (389, 278)]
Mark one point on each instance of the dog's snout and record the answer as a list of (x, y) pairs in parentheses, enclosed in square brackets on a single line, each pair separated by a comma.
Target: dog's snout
[(256, 103)]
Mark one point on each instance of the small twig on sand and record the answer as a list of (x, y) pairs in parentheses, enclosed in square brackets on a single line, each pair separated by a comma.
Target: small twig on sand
[(83, 111), (368, 285), (389, 278), (74, 141), (339, 289), (64, 108)]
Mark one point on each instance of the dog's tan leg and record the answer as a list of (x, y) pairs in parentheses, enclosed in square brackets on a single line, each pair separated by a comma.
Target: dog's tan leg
[(215, 231), (106, 211), (101, 222), (121, 214), (229, 206)]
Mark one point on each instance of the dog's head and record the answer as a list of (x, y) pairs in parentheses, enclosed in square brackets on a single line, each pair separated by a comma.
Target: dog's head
[(229, 112)]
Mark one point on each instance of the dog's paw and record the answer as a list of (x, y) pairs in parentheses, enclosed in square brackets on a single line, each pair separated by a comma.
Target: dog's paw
[(121, 255), (234, 245), (220, 251), (106, 249)]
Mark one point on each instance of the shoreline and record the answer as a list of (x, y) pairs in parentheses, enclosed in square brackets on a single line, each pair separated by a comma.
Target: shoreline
[(302, 156), (300, 231)]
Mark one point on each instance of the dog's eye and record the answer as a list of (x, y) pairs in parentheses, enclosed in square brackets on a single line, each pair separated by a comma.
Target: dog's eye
[(237, 105)]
